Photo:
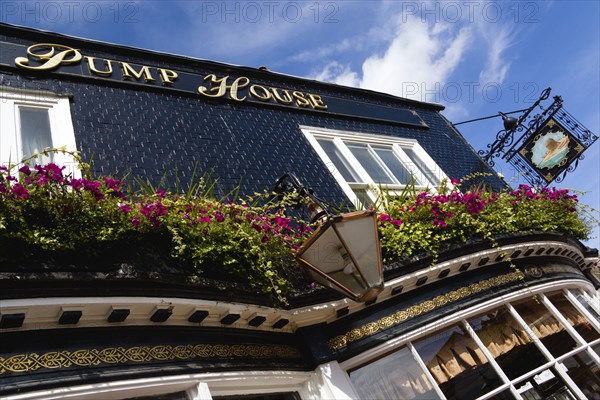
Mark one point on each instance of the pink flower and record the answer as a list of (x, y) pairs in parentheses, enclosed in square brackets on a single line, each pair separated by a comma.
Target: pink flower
[(25, 170)]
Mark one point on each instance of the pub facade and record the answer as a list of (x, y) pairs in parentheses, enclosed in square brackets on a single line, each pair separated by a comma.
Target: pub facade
[(516, 318)]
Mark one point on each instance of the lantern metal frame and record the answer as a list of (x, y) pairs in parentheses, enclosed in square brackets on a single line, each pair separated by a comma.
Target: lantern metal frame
[(319, 209)]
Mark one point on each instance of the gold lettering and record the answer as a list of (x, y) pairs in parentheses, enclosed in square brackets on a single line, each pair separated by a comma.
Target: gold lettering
[(129, 72), (220, 90), (265, 96), (239, 83), (287, 99), (300, 99), (52, 60), (317, 102), (91, 61), (167, 76)]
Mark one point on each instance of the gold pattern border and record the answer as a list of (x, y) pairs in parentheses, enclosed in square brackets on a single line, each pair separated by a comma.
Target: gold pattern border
[(119, 355), (400, 316)]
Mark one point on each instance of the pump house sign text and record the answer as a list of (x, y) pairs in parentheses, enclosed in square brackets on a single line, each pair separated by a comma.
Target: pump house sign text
[(58, 58)]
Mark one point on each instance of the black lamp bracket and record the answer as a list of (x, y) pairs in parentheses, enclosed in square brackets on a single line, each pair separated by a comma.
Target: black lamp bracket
[(289, 183), (505, 138)]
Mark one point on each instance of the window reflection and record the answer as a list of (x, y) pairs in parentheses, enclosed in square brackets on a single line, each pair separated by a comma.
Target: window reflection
[(551, 332), (510, 345), (457, 364), (584, 302), (585, 373), (396, 376), (574, 317), (545, 385)]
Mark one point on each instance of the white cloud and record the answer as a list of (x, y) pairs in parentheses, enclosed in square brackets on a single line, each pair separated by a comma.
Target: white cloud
[(418, 60), (498, 38), (337, 73)]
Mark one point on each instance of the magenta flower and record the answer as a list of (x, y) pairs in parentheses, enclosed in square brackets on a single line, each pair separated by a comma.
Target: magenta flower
[(25, 170), (125, 208), (113, 184), (384, 218), (396, 223), (20, 191)]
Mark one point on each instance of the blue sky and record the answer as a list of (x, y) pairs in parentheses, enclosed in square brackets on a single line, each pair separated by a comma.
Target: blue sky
[(475, 57)]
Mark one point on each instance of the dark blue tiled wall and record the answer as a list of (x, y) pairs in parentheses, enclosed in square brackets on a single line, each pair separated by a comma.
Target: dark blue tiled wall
[(149, 132)]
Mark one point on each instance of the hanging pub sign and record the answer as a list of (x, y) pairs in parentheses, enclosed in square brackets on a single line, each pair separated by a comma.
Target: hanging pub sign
[(551, 149), (551, 143)]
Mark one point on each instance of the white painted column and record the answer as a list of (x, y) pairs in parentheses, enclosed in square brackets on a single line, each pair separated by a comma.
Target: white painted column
[(199, 392), (328, 381)]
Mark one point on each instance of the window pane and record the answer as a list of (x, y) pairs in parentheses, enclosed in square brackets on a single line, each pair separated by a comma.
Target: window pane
[(584, 302), (545, 385), (363, 199), (339, 161), (431, 176), (585, 373), (370, 163), (511, 347), (457, 364), (574, 317), (35, 133), (396, 376), (388, 157), (551, 332)]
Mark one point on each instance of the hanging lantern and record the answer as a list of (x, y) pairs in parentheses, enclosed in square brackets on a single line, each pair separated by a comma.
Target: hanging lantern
[(343, 253)]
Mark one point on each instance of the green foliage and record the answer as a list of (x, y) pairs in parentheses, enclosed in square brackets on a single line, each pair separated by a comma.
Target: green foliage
[(251, 239), (423, 222), (247, 240)]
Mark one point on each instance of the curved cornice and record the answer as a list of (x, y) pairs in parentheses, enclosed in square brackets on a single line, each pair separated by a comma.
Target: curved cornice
[(95, 311)]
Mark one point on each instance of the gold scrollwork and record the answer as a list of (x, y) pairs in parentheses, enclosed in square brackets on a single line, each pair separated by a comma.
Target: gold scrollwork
[(47, 52), (428, 305), (89, 357)]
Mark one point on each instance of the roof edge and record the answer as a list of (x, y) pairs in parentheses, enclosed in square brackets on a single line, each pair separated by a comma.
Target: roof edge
[(14, 29)]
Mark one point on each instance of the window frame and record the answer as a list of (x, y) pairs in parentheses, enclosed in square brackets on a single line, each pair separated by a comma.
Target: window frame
[(461, 319), (59, 114), (341, 140)]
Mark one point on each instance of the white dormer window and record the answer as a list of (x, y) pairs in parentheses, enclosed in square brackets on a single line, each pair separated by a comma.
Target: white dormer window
[(32, 121), (363, 164)]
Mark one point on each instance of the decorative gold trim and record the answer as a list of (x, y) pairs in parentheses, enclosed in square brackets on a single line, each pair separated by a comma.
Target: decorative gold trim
[(421, 308), (119, 355)]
